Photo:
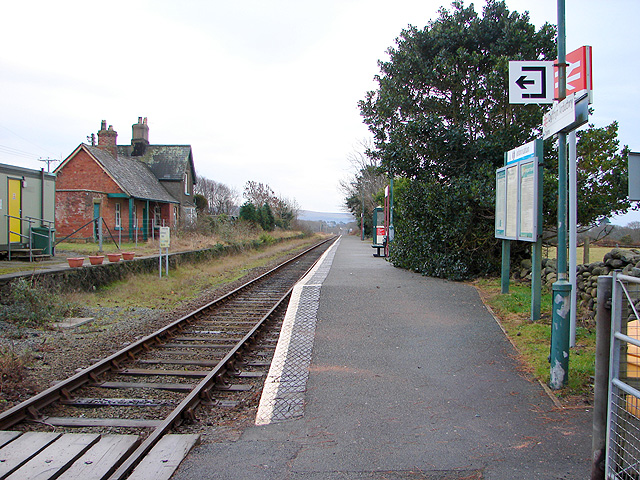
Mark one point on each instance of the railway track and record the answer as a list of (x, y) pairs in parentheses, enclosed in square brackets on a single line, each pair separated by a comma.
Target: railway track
[(126, 404)]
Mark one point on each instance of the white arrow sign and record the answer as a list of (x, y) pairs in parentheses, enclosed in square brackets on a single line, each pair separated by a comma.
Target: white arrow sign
[(530, 82)]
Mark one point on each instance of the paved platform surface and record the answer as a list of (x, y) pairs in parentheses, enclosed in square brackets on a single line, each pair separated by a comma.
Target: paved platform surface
[(409, 378)]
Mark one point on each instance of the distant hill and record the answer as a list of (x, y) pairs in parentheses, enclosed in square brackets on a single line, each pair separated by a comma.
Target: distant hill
[(325, 217)]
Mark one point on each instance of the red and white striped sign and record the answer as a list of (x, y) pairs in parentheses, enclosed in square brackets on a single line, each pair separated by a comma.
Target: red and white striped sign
[(579, 76)]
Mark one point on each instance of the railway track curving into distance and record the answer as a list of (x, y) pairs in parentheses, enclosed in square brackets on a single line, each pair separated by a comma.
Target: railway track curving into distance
[(128, 402)]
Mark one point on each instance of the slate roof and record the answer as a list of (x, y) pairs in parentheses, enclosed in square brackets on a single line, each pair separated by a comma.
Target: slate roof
[(167, 162), (134, 177)]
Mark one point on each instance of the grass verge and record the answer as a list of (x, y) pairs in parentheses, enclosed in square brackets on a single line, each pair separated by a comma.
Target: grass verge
[(186, 282), (533, 339)]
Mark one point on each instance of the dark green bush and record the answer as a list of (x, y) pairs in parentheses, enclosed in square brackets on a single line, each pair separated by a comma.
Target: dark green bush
[(445, 229)]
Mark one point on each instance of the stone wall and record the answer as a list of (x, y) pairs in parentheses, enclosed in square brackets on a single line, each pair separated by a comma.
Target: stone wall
[(628, 261)]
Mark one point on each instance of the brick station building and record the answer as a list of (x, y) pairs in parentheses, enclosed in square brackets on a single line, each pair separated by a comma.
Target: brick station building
[(133, 188)]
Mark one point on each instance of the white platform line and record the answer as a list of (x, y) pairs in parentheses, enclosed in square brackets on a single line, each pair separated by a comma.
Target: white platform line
[(283, 393)]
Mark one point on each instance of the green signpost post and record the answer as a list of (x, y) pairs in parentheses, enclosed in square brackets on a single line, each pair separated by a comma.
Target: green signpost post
[(529, 83)]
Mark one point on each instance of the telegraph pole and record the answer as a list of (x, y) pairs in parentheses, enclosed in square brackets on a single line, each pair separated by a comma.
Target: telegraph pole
[(49, 161)]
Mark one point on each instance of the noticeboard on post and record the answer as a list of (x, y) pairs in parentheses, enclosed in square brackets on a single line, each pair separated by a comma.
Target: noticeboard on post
[(516, 214), (165, 238)]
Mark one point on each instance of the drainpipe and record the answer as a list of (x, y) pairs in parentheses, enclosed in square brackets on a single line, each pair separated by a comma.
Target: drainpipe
[(42, 197), (131, 222)]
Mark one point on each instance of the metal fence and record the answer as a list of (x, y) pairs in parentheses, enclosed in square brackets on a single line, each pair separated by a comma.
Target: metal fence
[(623, 417)]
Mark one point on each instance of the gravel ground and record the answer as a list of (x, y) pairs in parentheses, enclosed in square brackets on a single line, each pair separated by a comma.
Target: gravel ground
[(52, 355)]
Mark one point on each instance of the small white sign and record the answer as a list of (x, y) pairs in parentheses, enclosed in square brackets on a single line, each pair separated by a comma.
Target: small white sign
[(522, 152), (165, 239), (559, 117), (530, 82)]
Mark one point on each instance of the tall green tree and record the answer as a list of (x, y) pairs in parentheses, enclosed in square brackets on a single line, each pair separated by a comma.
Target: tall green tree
[(602, 180), (266, 219), (442, 104), (248, 212), (441, 119), (282, 210)]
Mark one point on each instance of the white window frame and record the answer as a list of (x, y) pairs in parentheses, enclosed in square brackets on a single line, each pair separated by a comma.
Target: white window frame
[(157, 217), (134, 214), (118, 213), (191, 215), (186, 184)]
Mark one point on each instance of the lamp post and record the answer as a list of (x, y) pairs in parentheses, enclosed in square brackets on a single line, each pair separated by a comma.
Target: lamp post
[(561, 290)]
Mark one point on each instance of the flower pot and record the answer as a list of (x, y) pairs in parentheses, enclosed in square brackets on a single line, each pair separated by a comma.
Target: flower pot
[(113, 257), (128, 255), (96, 259), (75, 261)]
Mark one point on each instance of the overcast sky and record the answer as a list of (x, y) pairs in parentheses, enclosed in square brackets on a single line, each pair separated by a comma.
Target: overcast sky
[(263, 90)]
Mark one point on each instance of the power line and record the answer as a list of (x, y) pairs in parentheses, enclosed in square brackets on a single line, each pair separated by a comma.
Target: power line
[(25, 139), (16, 152), (49, 161)]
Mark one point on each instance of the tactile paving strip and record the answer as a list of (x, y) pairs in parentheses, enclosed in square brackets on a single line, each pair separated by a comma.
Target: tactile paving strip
[(285, 385)]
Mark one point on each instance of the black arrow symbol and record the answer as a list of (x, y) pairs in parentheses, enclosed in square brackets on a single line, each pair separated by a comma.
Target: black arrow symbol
[(522, 82)]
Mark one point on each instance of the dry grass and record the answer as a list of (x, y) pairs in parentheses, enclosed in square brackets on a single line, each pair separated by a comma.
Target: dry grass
[(180, 242), (186, 282), (13, 374), (183, 284), (533, 339), (596, 254)]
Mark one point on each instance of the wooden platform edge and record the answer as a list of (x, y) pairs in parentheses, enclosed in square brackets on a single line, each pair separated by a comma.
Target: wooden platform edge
[(165, 457)]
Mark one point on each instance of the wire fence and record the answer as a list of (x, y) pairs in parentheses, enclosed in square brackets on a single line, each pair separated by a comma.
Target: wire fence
[(623, 420)]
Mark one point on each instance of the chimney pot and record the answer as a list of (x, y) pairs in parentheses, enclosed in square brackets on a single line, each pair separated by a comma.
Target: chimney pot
[(107, 139), (140, 137)]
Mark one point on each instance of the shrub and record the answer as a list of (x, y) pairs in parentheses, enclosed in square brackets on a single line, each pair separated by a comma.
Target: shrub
[(267, 239), (31, 304), (13, 377), (445, 229)]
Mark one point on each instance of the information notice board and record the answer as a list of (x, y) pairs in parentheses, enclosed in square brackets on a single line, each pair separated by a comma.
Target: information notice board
[(516, 214)]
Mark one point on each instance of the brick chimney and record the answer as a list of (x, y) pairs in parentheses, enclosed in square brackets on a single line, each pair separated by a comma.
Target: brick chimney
[(107, 139), (140, 137)]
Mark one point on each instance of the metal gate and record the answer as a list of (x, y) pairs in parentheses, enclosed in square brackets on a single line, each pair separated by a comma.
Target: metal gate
[(623, 417)]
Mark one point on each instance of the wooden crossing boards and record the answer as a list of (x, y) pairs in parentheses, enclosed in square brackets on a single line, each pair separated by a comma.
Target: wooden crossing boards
[(71, 456)]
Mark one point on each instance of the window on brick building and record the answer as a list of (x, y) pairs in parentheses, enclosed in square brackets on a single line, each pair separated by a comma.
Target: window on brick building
[(118, 216), (157, 221), (186, 184), (134, 214), (191, 215)]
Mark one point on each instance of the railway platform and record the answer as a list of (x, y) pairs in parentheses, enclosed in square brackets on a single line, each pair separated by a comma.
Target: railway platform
[(409, 377)]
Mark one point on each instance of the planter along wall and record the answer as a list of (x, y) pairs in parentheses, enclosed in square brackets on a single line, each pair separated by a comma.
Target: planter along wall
[(88, 279), (628, 261)]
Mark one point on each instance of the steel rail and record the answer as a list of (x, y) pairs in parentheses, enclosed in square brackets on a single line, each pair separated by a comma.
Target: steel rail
[(30, 408), (202, 390), (185, 410)]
